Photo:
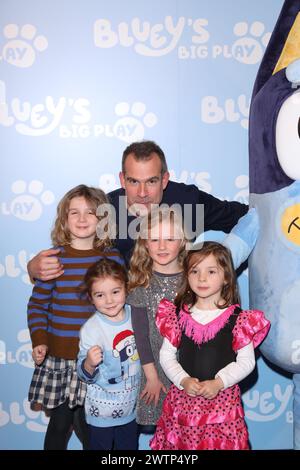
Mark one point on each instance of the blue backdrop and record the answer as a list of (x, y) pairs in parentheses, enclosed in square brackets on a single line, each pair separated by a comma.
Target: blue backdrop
[(79, 80)]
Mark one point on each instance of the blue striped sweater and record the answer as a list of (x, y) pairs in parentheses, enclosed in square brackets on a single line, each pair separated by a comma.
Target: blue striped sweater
[(56, 310)]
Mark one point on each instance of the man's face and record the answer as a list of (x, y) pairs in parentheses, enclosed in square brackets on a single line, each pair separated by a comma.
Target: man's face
[(143, 181)]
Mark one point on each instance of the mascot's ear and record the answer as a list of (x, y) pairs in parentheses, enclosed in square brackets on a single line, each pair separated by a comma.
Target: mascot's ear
[(288, 125), (284, 44)]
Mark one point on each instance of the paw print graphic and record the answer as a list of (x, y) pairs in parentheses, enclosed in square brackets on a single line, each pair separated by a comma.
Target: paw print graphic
[(242, 183), (23, 353), (2, 352), (29, 201), (20, 50), (133, 120), (108, 182), (249, 48)]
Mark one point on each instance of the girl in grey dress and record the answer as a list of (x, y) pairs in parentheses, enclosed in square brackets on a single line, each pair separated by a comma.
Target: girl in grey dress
[(155, 273)]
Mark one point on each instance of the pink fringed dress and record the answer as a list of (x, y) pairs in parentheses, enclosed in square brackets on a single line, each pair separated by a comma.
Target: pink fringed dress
[(197, 423)]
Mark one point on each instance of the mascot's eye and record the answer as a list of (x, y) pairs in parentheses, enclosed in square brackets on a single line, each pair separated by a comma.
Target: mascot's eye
[(288, 136)]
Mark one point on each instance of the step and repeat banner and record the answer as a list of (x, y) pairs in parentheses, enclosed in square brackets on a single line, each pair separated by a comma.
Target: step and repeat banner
[(79, 81)]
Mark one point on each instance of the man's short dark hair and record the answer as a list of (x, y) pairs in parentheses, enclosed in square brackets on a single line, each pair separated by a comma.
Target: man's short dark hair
[(143, 151)]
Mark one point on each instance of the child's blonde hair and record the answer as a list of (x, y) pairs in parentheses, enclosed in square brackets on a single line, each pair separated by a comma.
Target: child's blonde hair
[(61, 235), (141, 264)]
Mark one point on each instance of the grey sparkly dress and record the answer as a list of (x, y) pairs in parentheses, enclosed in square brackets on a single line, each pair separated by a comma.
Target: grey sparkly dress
[(161, 286)]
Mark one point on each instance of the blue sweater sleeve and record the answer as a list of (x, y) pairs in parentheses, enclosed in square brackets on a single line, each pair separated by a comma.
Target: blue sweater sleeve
[(86, 342)]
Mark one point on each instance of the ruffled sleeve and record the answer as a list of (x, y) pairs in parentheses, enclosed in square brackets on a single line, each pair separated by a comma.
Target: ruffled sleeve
[(251, 325), (167, 322)]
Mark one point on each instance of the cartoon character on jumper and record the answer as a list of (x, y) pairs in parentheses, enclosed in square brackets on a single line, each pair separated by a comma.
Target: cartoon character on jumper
[(124, 347), (273, 225)]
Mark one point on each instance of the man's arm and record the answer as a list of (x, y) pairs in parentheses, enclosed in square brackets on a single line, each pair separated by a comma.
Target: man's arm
[(218, 215), (221, 215), (45, 265)]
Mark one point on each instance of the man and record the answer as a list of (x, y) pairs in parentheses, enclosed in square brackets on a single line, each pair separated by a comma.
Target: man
[(145, 181)]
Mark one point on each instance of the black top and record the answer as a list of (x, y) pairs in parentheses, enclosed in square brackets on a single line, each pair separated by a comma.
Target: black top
[(218, 215), (207, 360)]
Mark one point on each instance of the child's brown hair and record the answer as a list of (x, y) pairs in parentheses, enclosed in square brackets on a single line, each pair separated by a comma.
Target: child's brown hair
[(103, 268), (223, 258)]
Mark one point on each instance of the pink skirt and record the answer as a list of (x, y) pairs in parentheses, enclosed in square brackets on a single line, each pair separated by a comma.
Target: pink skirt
[(196, 423)]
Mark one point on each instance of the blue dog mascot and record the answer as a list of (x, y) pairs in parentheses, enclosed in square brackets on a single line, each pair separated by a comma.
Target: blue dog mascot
[(272, 226)]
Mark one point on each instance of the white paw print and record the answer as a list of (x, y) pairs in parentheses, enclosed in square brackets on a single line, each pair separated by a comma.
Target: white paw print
[(133, 120), (248, 48), (108, 182), (23, 353), (242, 183), (20, 50), (28, 204), (2, 352)]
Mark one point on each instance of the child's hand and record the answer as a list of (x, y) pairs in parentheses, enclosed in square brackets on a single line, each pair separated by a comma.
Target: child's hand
[(191, 386), (39, 353), (94, 356), (210, 388), (152, 391)]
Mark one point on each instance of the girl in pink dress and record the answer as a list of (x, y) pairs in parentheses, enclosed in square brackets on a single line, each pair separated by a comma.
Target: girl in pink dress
[(208, 349)]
